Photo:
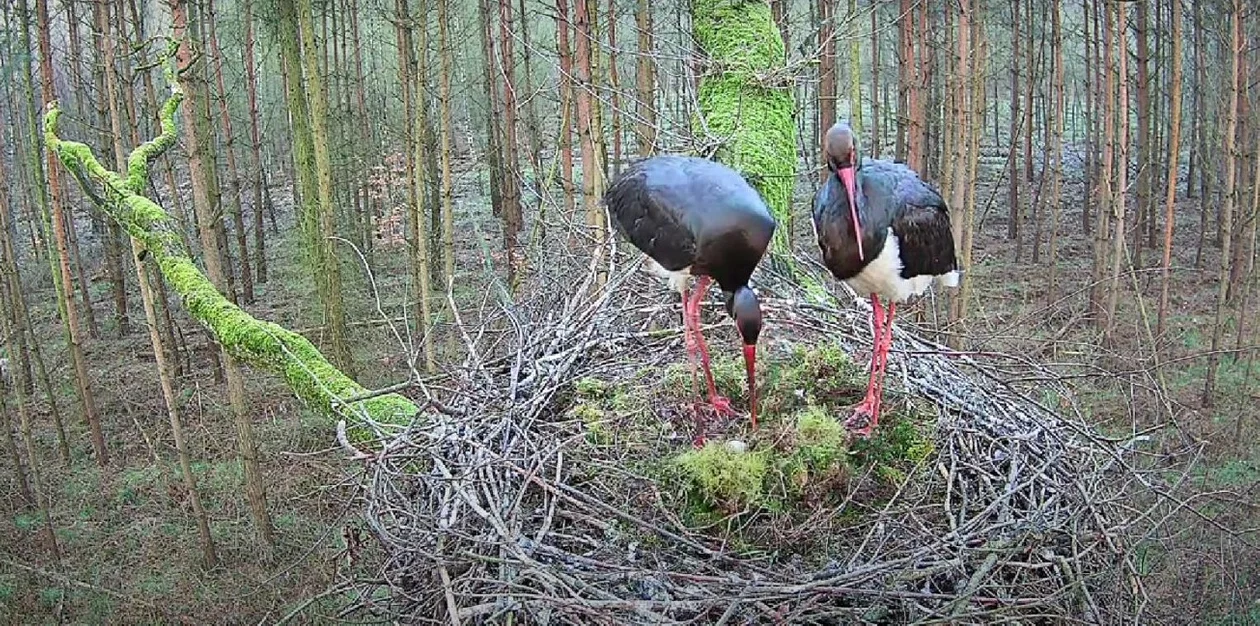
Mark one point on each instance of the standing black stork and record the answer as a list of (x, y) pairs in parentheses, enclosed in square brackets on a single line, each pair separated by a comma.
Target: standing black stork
[(885, 232), (695, 217)]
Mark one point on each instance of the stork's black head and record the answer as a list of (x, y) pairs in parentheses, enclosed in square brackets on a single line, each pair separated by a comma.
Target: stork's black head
[(742, 305), (840, 147)]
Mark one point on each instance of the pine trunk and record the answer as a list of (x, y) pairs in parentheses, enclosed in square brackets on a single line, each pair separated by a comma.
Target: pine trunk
[(1013, 179), (1145, 166), (205, 205), (1230, 192), (512, 214), (112, 120), (826, 75), (592, 171), (564, 145), (255, 143), (229, 148), (73, 329), (1056, 171), (645, 81), (1118, 201), (1173, 156)]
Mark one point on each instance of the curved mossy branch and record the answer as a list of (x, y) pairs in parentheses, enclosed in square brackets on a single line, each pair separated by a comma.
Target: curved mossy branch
[(261, 344), (745, 107)]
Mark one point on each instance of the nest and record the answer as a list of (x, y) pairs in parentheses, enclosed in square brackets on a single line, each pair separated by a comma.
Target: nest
[(495, 508)]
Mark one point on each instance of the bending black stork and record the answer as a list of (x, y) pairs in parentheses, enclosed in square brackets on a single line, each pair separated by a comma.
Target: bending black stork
[(695, 217), (885, 232)]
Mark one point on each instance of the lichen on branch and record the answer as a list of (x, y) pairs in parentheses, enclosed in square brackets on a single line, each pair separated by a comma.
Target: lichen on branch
[(259, 343)]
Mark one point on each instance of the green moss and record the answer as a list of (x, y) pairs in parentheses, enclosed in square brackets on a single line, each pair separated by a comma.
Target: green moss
[(723, 478), (821, 439)]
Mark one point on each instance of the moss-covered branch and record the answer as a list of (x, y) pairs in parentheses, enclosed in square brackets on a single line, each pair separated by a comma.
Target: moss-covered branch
[(740, 105), (261, 344)]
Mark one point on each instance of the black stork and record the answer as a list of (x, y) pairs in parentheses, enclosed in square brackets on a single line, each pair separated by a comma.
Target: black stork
[(695, 217), (885, 232)]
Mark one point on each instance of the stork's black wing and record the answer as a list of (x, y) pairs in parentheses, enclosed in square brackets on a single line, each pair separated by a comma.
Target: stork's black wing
[(654, 226), (920, 220)]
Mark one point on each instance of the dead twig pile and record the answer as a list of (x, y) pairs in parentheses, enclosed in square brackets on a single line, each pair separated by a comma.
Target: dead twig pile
[(497, 506)]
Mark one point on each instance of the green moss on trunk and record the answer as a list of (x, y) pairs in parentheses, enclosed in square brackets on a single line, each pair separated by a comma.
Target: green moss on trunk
[(261, 344), (746, 104)]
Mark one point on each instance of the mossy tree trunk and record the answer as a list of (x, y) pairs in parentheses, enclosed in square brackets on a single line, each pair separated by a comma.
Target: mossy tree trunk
[(746, 101), (317, 96)]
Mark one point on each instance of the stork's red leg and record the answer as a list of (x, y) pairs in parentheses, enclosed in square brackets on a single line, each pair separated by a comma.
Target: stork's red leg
[(720, 404), (885, 346), (863, 416), (690, 329), (690, 340)]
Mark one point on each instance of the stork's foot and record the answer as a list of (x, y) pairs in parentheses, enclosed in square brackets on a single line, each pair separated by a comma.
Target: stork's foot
[(864, 418), (721, 406)]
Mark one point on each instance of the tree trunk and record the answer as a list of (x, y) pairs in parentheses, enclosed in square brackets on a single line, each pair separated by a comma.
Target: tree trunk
[(592, 170), (22, 344), (32, 474), (959, 160), (229, 147), (209, 555), (1174, 151), (532, 130), (112, 119), (1104, 190), (202, 176), (1056, 141), (1118, 202), (1013, 178), (73, 330), (324, 225), (263, 345), (255, 144), (1200, 131), (855, 71), (905, 76), (877, 124), (1230, 198), (1146, 165), (755, 121), (512, 214), (826, 75), (614, 90), (645, 81), (564, 145)]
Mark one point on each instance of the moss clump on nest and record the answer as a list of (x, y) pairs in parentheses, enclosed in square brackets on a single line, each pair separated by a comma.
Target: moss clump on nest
[(801, 457)]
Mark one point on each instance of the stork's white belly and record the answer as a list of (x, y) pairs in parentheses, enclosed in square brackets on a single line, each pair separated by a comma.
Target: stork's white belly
[(677, 280), (882, 276)]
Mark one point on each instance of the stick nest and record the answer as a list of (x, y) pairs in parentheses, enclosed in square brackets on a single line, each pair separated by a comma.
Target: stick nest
[(513, 504)]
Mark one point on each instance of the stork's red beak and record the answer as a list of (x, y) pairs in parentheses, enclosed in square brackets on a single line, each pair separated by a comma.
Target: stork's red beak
[(750, 364), (846, 177)]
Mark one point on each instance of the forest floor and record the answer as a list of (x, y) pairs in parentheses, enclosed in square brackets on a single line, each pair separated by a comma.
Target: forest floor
[(130, 552)]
